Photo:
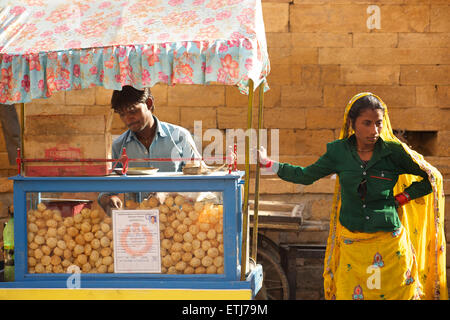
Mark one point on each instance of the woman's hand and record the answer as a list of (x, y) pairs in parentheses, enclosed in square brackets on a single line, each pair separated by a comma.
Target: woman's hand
[(264, 161)]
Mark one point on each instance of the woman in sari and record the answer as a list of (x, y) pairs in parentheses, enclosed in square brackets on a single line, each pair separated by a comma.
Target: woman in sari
[(386, 238)]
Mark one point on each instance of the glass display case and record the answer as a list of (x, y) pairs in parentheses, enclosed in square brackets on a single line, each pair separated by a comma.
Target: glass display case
[(173, 231)]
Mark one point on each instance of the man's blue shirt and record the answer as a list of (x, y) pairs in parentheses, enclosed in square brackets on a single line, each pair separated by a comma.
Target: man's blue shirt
[(170, 141)]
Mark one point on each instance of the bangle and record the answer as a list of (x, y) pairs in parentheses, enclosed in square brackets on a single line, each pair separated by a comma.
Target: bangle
[(268, 164), (402, 198)]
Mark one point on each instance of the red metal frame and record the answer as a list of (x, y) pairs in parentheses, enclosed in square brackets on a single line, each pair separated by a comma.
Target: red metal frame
[(124, 160)]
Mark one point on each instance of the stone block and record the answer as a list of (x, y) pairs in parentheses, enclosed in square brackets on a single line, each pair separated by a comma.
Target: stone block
[(285, 74), (424, 40), (324, 118), (426, 96), (321, 39), (375, 40), (292, 56), (439, 18), (443, 96), (196, 95), (351, 17), (384, 56), (425, 75), (276, 16), (103, 96), (169, 114), (417, 119), (443, 143), (272, 97), (81, 97), (370, 74), (304, 142), (301, 96), (52, 109), (284, 118), (321, 209), (57, 98), (393, 96), (190, 114)]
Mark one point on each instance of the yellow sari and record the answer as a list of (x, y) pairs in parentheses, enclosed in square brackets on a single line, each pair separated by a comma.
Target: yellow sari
[(408, 264)]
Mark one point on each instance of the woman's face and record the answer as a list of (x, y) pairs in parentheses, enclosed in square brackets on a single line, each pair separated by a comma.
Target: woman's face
[(368, 126)]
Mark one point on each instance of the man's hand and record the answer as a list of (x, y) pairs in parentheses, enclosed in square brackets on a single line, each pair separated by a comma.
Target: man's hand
[(110, 202)]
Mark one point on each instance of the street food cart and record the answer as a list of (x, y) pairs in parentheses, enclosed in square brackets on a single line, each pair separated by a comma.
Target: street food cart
[(178, 234)]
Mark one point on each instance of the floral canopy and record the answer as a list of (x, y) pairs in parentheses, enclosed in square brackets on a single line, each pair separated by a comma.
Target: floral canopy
[(52, 45)]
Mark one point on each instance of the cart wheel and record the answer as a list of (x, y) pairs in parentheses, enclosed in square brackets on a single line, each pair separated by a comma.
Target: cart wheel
[(275, 285)]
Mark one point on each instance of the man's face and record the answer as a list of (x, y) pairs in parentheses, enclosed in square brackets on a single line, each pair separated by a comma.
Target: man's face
[(136, 117)]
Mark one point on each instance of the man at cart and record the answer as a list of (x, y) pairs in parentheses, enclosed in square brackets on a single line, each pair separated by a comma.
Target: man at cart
[(146, 137)]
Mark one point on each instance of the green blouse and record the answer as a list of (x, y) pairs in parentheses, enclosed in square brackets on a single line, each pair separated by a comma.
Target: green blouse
[(376, 211)]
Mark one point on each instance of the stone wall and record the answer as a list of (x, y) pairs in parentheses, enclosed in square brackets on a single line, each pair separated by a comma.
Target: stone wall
[(322, 52)]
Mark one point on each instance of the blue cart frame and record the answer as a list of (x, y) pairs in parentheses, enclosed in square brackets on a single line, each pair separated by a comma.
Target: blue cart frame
[(229, 184)]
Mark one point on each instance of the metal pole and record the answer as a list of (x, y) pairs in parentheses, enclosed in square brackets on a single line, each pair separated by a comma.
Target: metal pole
[(246, 182), (22, 133), (256, 208)]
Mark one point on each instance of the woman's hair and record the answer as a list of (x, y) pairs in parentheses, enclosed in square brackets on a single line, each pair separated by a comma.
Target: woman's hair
[(363, 103), (130, 96)]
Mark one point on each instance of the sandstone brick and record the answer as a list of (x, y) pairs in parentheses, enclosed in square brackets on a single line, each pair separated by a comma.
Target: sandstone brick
[(285, 74), (299, 160), (442, 164), (279, 39), (426, 96), (443, 96), (272, 97), (273, 186), (191, 114), (353, 17), (393, 96), (276, 16), (424, 40), (4, 161), (439, 18), (327, 18), (81, 97), (324, 185), (103, 96), (196, 95), (321, 209), (301, 96), (442, 143), (2, 140), (317, 75), (6, 185), (284, 118), (159, 92), (324, 118), (417, 119), (57, 98), (235, 118), (321, 39), (425, 75), (375, 40), (304, 142), (295, 55), (169, 114), (370, 75), (36, 109), (384, 56)]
